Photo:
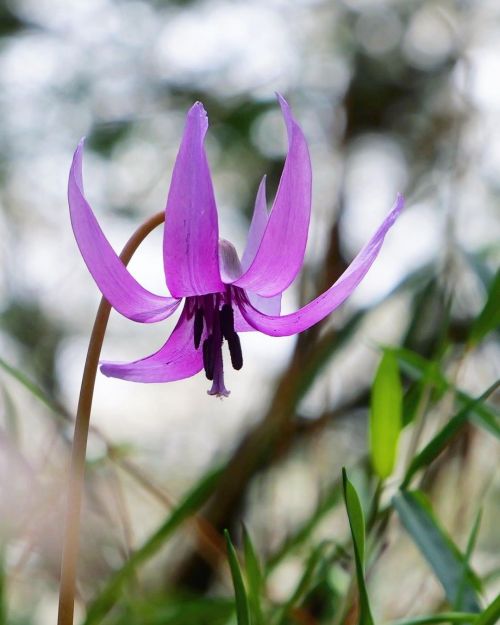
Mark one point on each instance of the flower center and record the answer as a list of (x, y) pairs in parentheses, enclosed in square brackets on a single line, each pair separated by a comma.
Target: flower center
[(213, 323)]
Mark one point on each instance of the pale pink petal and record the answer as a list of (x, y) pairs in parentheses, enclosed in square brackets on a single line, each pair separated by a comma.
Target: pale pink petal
[(115, 282), (257, 226), (190, 244), (176, 360), (323, 305), (266, 305), (281, 252)]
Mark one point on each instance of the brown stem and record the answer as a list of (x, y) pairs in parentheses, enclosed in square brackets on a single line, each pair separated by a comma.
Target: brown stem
[(82, 422)]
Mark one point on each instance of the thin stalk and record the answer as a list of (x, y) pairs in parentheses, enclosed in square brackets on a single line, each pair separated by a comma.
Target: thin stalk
[(71, 539)]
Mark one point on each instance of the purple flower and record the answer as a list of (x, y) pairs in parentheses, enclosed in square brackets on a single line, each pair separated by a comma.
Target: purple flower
[(222, 294)]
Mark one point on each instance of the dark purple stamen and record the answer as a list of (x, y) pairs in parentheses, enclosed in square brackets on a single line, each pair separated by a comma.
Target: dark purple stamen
[(226, 321), (233, 342), (198, 327), (209, 357)]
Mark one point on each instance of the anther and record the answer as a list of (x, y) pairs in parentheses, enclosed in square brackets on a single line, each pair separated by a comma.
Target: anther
[(209, 357), (226, 321), (198, 327), (233, 342)]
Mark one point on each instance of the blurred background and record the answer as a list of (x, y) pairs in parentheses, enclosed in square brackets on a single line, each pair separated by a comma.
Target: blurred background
[(392, 96)]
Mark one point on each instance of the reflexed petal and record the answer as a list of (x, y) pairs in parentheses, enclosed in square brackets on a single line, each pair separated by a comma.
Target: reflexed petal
[(323, 305), (121, 290), (281, 252), (266, 305), (176, 360), (257, 226), (190, 244)]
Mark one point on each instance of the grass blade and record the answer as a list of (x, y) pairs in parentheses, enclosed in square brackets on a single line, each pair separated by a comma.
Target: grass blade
[(444, 617), (254, 578), (23, 379), (192, 502), (437, 548), (489, 318), (303, 585), (435, 446), (240, 593), (491, 615), (418, 367), (471, 543), (357, 525), (3, 593)]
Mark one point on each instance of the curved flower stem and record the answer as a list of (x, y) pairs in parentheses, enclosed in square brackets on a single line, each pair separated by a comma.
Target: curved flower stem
[(75, 487)]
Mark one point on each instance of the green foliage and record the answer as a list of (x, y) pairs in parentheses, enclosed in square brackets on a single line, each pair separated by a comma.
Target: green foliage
[(255, 579), (357, 525), (491, 614), (438, 549), (3, 593), (443, 617), (391, 97), (189, 506), (436, 445), (489, 318), (419, 368), (240, 593), (385, 415)]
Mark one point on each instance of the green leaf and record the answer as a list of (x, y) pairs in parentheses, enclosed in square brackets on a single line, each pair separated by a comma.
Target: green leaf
[(3, 594), (357, 525), (254, 578), (174, 610), (437, 548), (471, 543), (326, 503), (192, 502), (304, 583), (241, 598), (491, 615), (436, 445), (489, 318), (419, 368), (385, 415), (444, 617), (33, 388)]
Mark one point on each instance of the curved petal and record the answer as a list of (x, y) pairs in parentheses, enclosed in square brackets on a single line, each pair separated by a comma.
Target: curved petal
[(266, 305), (190, 251), (281, 251), (117, 285), (176, 360), (323, 305), (257, 226)]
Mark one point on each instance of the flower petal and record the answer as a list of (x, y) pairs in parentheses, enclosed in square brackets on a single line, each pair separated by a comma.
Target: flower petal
[(176, 360), (323, 305), (266, 305), (281, 251), (257, 226), (115, 282), (190, 244)]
